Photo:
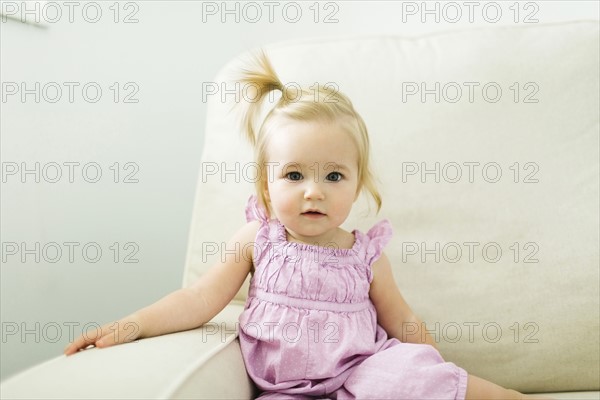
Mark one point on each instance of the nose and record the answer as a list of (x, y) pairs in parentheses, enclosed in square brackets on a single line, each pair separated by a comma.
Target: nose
[(313, 191)]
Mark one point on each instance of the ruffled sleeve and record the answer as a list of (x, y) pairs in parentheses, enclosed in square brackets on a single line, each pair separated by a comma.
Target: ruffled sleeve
[(254, 211), (378, 237)]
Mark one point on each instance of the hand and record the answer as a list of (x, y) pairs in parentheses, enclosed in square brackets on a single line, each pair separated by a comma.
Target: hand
[(123, 331)]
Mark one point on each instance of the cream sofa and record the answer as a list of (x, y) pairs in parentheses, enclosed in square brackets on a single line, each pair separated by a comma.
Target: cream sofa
[(526, 318)]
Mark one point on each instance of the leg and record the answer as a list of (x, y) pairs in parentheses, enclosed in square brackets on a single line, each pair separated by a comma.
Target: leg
[(480, 389)]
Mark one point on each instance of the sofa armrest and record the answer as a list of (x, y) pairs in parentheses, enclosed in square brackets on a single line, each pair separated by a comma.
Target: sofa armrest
[(203, 363)]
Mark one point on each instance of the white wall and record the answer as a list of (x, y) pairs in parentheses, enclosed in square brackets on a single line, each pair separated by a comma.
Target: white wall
[(166, 56)]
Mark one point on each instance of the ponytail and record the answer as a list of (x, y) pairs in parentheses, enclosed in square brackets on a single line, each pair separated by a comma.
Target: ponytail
[(262, 77)]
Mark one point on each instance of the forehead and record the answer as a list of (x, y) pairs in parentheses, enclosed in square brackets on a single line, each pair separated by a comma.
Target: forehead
[(307, 142)]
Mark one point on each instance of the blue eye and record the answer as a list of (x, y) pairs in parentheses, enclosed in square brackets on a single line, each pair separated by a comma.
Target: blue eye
[(293, 176), (334, 176)]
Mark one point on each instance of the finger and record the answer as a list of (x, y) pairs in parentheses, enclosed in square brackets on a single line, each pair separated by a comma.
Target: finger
[(123, 332), (69, 349), (87, 338), (75, 346), (108, 335)]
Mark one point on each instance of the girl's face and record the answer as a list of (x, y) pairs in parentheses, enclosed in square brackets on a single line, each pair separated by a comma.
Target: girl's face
[(312, 170)]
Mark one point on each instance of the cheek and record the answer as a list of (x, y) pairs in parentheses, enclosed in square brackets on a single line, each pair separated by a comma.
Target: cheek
[(279, 195), (347, 197)]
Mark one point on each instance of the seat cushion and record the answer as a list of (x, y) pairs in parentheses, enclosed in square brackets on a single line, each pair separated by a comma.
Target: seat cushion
[(203, 363)]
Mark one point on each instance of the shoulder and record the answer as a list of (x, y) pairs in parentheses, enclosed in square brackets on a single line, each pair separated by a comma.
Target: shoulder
[(382, 278), (244, 240), (381, 267), (247, 233)]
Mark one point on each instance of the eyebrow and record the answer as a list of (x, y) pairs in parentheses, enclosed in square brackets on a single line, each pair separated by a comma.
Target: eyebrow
[(340, 167), (330, 165)]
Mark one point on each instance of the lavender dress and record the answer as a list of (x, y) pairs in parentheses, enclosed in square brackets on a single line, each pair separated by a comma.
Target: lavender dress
[(309, 329)]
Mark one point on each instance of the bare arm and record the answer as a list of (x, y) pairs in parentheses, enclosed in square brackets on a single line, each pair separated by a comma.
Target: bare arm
[(186, 308), (393, 313)]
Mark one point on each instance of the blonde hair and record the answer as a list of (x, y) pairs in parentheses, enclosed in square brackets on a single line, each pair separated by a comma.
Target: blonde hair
[(323, 104)]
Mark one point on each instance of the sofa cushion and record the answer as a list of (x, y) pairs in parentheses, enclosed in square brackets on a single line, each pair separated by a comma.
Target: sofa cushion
[(493, 194)]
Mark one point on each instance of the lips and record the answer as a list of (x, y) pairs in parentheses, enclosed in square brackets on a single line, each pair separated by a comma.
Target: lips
[(313, 213)]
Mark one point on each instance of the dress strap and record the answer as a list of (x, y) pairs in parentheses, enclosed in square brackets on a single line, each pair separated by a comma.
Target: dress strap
[(255, 211), (266, 233), (378, 236)]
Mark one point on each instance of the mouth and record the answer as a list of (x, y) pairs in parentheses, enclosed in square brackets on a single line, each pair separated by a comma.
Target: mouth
[(313, 214)]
